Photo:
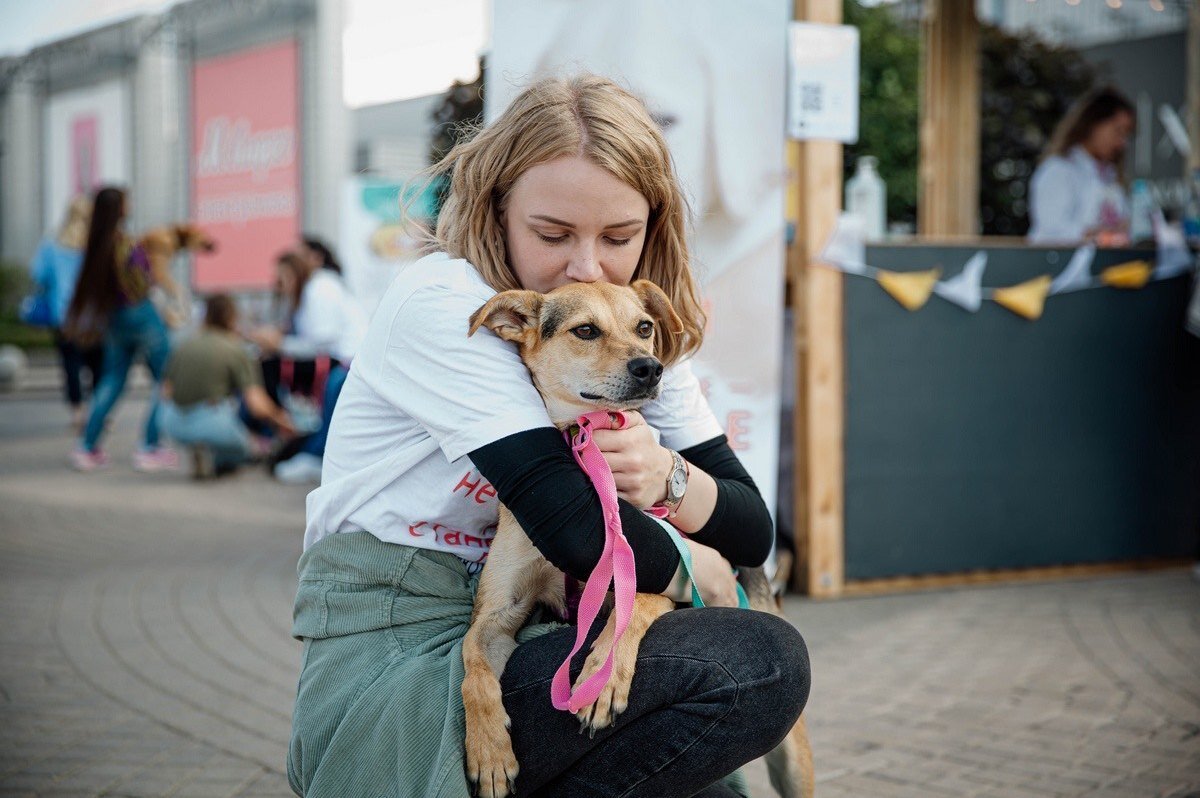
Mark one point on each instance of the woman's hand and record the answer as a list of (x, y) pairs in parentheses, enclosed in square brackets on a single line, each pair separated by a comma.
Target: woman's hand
[(268, 339), (714, 576), (639, 465)]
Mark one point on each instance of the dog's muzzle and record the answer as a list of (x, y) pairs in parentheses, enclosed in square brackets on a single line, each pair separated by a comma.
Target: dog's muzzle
[(645, 371)]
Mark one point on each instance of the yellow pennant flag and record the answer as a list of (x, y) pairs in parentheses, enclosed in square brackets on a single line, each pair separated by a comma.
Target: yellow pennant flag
[(910, 289), (1133, 274), (1025, 299)]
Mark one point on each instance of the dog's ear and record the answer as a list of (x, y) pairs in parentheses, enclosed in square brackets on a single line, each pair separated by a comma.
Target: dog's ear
[(658, 305), (513, 315), (189, 236)]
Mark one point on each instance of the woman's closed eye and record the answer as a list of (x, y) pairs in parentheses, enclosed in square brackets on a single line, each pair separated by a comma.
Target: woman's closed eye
[(558, 239)]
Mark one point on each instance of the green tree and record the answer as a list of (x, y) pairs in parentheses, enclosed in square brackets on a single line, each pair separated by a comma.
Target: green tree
[(889, 97)]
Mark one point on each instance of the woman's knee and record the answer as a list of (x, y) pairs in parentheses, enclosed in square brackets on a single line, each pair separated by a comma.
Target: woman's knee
[(772, 670), (760, 651), (756, 664)]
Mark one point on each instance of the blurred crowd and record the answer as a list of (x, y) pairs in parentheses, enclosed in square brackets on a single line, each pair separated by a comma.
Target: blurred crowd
[(226, 392)]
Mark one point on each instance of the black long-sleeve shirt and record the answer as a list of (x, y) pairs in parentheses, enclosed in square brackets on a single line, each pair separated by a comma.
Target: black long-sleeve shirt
[(537, 479)]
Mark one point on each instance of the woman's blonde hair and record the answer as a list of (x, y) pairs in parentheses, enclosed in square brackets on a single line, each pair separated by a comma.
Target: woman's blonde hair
[(593, 118), (74, 231)]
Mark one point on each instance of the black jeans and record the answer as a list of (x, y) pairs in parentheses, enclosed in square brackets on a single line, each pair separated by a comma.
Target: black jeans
[(74, 359), (714, 689)]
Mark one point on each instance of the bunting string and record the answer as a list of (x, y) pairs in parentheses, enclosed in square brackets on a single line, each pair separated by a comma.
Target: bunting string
[(846, 251)]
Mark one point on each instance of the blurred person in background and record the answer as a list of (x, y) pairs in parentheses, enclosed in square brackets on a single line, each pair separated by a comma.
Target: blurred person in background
[(112, 305), (314, 249), (1077, 192), (323, 321), (55, 270), (208, 379)]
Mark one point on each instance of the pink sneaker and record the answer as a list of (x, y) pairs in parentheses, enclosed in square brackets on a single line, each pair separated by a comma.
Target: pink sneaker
[(157, 459), (83, 460)]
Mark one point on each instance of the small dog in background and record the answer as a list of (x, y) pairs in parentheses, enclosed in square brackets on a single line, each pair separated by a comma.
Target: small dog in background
[(588, 346)]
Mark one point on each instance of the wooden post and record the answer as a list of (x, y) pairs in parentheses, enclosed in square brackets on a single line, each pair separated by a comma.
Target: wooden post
[(1193, 85), (949, 168), (819, 335)]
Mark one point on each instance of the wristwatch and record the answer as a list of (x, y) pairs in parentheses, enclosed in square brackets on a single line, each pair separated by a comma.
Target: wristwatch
[(677, 482)]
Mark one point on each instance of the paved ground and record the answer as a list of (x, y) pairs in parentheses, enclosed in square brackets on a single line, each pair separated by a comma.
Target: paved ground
[(144, 650)]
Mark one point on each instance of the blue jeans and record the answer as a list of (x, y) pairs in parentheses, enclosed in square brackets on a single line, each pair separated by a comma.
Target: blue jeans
[(700, 707), (216, 426), (132, 332), (74, 359), (315, 443)]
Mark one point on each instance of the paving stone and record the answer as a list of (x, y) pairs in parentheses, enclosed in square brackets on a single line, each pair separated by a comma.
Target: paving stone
[(146, 651)]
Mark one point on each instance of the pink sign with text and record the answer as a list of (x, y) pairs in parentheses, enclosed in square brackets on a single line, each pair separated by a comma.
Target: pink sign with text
[(245, 155), (85, 154)]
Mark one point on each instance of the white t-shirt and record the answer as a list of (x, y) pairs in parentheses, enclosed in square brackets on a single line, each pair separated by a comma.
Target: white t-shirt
[(1068, 196), (328, 321), (421, 395)]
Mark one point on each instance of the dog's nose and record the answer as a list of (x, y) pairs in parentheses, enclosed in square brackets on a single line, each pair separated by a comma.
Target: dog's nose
[(646, 370)]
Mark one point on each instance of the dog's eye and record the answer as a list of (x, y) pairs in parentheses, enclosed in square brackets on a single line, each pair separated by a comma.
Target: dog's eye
[(645, 329), (586, 331)]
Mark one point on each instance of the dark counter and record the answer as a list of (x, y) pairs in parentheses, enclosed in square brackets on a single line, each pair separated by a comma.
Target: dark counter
[(983, 440)]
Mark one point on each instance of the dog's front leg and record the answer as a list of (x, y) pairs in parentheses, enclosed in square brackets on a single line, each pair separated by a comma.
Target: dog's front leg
[(614, 698), (515, 578)]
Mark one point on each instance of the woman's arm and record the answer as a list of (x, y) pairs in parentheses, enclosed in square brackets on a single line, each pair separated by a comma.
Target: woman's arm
[(739, 525), (539, 482), (262, 407), (722, 507)]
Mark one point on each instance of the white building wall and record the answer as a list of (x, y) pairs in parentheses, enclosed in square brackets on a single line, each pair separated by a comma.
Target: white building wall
[(329, 141), (22, 182), (156, 133)]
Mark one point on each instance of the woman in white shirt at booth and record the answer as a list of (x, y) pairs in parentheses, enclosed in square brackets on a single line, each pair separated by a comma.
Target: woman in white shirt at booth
[(1077, 192), (325, 321)]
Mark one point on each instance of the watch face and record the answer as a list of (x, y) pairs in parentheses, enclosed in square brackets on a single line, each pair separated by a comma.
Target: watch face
[(678, 483)]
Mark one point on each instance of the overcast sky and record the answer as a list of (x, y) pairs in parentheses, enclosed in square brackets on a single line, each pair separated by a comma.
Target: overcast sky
[(394, 49)]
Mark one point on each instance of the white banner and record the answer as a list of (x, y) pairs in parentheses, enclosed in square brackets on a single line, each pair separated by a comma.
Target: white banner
[(372, 242), (87, 145), (713, 73)]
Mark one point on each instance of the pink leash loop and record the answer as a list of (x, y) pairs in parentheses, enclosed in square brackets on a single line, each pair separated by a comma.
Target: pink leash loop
[(616, 566)]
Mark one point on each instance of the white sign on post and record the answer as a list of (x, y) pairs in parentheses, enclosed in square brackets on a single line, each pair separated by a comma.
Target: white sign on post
[(823, 82)]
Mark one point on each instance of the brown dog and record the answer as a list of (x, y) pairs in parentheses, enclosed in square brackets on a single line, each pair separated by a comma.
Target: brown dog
[(588, 346)]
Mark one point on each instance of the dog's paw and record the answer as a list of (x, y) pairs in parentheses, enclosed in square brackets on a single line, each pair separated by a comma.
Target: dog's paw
[(608, 706), (613, 699), (491, 765)]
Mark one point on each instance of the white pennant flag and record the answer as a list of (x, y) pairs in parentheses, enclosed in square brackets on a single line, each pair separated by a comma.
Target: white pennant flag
[(964, 289), (1078, 273), (1174, 258), (846, 248)]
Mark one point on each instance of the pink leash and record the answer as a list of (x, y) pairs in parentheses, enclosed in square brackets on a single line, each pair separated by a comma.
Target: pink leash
[(615, 566)]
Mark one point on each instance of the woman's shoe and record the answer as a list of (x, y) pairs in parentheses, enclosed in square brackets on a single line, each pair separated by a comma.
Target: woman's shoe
[(83, 460), (160, 458), (300, 469)]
